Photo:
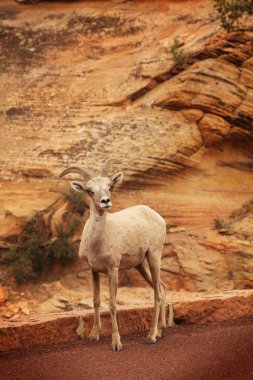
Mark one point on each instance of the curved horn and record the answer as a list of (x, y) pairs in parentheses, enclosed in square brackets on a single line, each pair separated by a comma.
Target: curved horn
[(76, 169), (107, 164)]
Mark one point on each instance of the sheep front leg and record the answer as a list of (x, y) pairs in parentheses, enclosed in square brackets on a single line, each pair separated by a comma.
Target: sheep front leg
[(113, 286), (94, 335)]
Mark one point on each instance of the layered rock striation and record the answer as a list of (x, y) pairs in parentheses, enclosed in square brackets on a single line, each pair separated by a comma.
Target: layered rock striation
[(85, 81)]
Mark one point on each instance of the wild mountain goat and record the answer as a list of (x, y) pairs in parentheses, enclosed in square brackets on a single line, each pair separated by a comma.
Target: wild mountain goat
[(130, 238)]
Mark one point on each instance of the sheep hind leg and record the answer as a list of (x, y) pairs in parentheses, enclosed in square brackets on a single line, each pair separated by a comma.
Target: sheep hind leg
[(162, 314), (144, 270)]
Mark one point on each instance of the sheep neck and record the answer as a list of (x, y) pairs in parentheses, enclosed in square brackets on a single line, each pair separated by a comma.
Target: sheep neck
[(98, 222)]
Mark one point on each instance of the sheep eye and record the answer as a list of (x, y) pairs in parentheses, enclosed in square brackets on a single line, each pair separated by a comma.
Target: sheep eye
[(90, 192)]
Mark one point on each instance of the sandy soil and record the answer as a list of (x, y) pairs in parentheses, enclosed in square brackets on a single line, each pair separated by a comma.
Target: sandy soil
[(214, 351)]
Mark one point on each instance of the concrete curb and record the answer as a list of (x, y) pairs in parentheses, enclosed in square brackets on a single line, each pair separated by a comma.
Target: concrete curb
[(61, 327)]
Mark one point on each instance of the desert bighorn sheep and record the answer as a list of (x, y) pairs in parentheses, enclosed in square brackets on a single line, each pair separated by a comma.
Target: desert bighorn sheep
[(130, 238)]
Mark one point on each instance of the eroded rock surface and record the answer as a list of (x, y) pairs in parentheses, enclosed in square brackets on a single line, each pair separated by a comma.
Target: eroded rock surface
[(84, 81)]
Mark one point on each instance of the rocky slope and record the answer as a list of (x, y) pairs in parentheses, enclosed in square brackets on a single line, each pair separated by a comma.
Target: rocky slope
[(87, 80)]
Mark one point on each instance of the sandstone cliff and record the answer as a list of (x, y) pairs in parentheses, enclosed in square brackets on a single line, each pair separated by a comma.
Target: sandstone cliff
[(88, 80)]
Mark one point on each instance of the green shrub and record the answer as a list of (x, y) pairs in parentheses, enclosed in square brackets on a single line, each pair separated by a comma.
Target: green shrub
[(76, 201), (230, 10), (35, 252), (20, 265), (61, 250), (220, 224), (178, 54), (28, 259)]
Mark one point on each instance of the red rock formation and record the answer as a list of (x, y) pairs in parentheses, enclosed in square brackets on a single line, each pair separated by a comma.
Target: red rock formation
[(84, 82)]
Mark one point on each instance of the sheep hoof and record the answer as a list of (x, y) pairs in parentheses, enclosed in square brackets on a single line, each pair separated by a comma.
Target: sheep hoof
[(150, 341), (117, 347), (93, 338)]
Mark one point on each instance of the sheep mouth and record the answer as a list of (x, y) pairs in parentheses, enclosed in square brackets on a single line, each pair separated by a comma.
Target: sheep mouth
[(106, 207)]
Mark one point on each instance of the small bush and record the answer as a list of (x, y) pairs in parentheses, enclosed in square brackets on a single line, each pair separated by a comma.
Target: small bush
[(35, 253), (230, 10), (61, 251), (28, 258), (178, 54), (222, 225), (76, 201)]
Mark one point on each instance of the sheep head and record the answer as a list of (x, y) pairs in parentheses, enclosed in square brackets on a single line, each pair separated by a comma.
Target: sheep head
[(99, 188)]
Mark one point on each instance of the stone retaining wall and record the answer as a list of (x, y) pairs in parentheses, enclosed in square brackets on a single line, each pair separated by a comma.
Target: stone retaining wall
[(61, 327)]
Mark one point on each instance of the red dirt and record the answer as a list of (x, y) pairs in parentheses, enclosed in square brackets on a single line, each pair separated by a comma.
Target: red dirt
[(220, 351)]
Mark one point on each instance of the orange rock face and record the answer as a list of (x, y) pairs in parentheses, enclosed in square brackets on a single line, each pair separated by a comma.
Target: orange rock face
[(3, 295), (88, 80)]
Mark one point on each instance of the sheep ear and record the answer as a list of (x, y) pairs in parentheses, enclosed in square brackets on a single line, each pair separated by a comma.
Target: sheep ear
[(77, 186), (117, 179)]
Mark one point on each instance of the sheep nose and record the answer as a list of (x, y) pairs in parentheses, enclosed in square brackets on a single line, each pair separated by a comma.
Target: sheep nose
[(105, 200)]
